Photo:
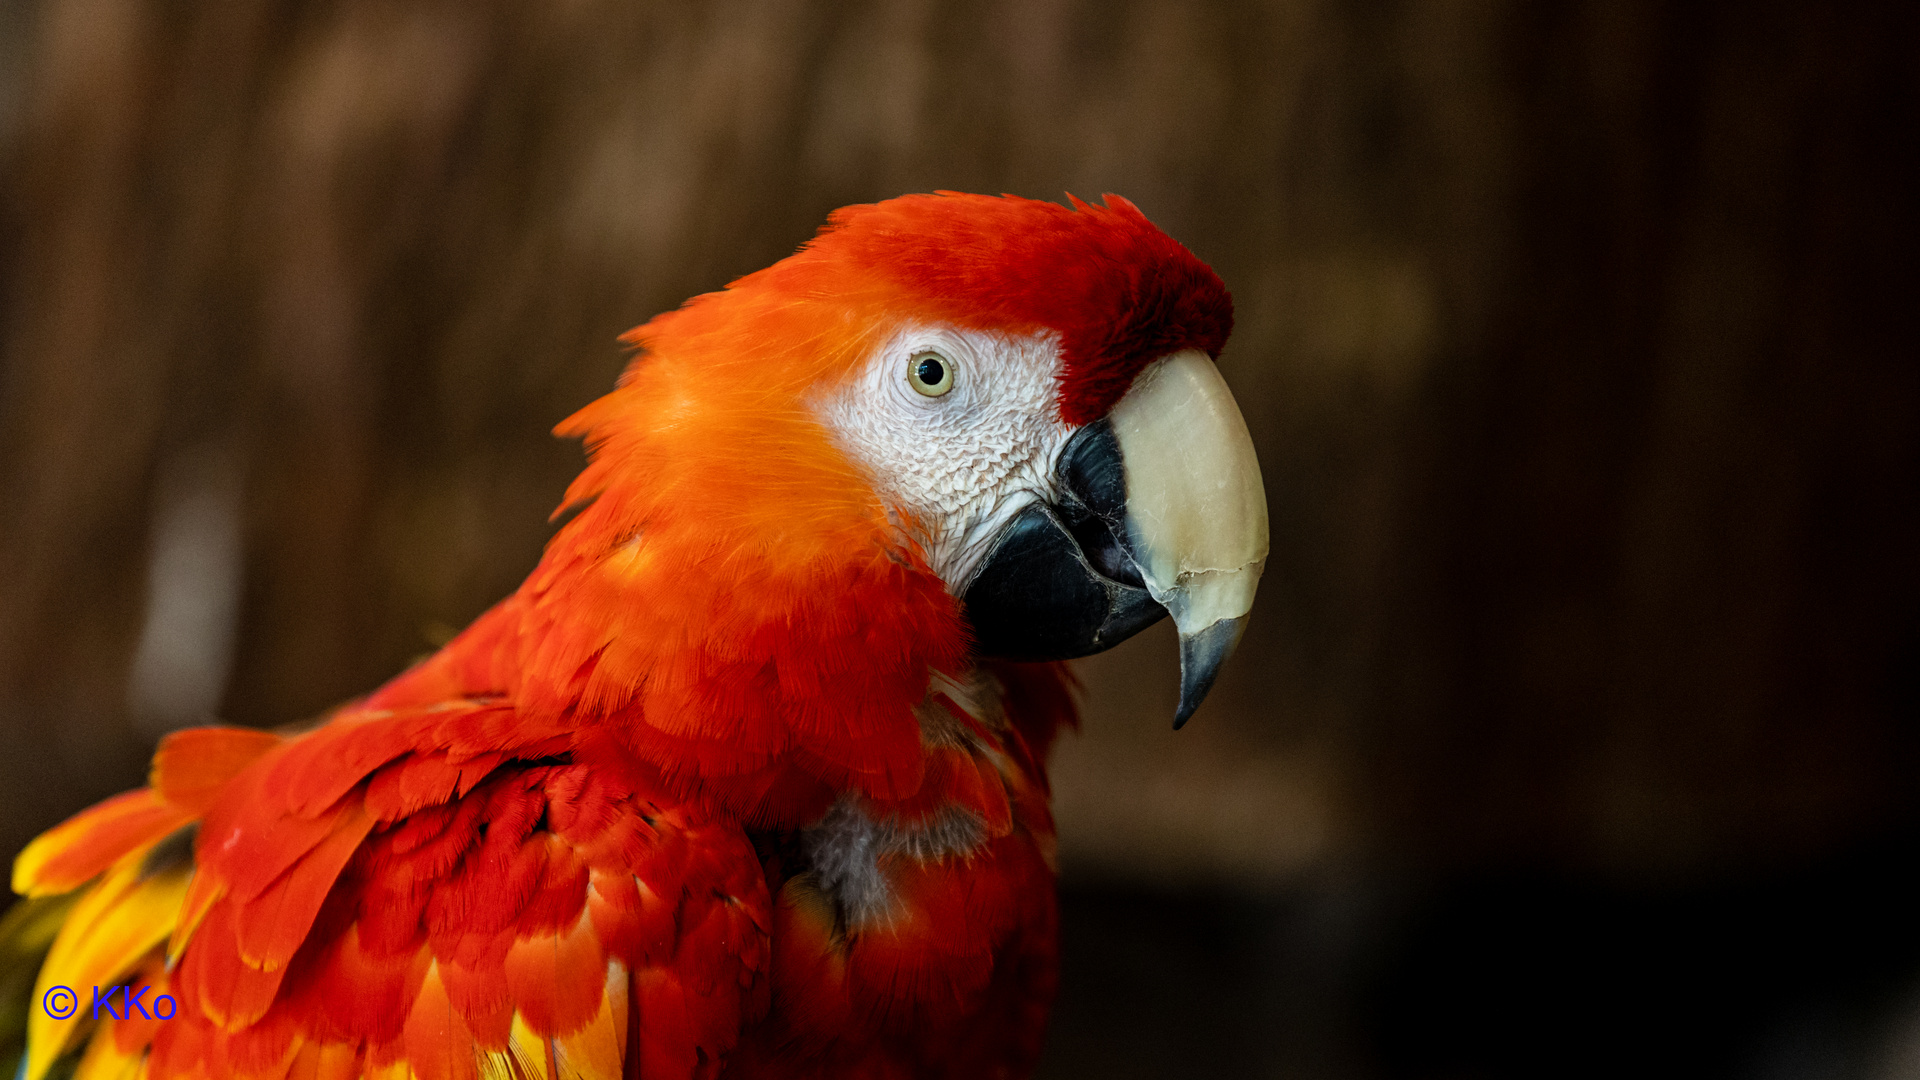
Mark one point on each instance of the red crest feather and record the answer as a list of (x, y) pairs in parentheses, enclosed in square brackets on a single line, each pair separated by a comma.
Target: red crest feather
[(1118, 291)]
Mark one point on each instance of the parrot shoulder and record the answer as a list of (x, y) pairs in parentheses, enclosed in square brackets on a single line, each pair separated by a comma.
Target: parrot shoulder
[(444, 892)]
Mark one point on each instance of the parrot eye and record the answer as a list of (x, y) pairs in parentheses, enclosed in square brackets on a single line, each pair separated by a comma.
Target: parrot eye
[(930, 373)]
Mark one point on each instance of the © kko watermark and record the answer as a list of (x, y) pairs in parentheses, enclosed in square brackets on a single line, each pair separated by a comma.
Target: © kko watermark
[(61, 1002)]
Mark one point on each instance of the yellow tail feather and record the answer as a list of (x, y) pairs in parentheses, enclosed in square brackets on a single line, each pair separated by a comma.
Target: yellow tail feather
[(116, 923)]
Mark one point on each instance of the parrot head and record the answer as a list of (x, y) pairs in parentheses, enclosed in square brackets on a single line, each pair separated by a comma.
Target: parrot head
[(1008, 407)]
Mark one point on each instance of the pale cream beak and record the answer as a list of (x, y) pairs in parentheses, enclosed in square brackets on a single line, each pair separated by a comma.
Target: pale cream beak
[(1196, 509)]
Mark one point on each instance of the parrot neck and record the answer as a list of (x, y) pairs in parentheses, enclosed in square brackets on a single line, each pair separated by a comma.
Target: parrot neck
[(791, 679)]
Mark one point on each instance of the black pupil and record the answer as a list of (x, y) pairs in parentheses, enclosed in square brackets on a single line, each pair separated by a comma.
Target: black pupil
[(930, 372)]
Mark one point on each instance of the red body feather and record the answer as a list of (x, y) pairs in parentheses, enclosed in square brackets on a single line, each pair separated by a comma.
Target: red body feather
[(563, 845)]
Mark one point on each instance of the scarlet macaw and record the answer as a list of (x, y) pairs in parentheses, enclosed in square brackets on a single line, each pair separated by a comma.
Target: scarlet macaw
[(748, 778)]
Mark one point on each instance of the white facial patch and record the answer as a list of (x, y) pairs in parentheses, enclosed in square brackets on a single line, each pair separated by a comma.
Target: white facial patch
[(962, 464)]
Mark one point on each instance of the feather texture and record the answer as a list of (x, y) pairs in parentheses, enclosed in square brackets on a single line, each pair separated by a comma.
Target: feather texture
[(443, 913)]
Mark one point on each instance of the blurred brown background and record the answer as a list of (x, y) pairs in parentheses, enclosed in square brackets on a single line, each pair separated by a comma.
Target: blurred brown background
[(1574, 733)]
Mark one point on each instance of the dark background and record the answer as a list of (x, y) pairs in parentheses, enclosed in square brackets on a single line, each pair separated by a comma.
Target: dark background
[(1575, 730)]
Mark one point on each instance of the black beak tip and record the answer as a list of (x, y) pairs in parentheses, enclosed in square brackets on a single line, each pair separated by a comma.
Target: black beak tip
[(1201, 656)]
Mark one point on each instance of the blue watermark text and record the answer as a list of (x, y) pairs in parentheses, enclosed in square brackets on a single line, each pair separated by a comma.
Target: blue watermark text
[(118, 1002)]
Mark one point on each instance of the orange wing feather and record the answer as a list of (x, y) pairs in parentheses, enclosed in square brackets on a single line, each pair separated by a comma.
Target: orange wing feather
[(440, 912)]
